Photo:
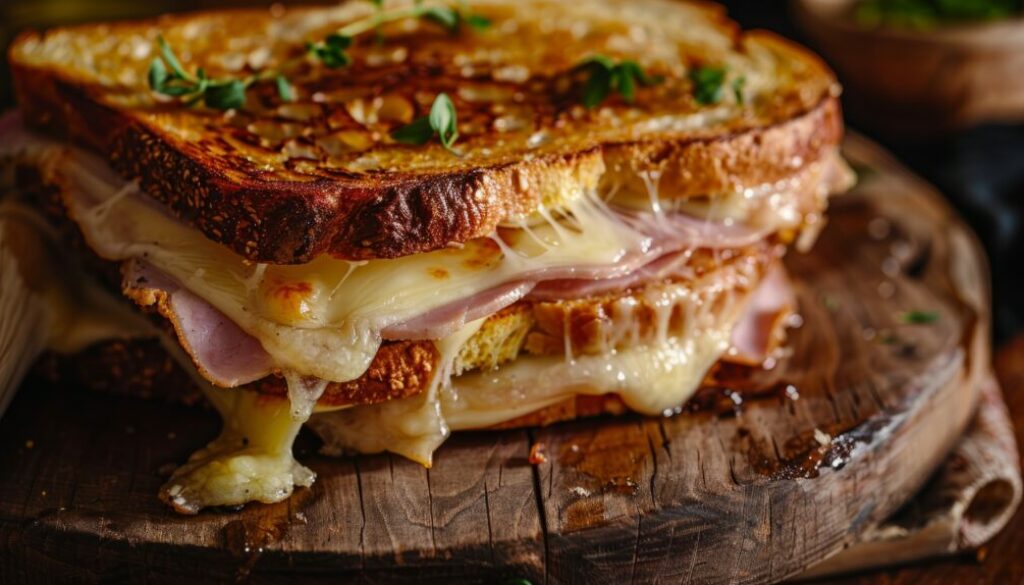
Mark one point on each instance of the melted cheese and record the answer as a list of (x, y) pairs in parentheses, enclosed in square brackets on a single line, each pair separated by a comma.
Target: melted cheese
[(46, 304), (651, 379), (250, 461), (252, 458), (413, 427), (795, 203), (324, 318)]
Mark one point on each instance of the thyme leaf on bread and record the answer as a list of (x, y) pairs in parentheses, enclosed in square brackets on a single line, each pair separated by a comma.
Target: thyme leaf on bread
[(168, 77), (919, 317), (442, 122), (707, 84), (604, 76)]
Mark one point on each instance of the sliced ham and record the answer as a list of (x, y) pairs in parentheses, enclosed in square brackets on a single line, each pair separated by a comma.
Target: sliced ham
[(226, 355), (672, 264), (449, 318), (671, 238), (757, 331)]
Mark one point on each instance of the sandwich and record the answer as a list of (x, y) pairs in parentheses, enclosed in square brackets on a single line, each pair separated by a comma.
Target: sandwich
[(394, 220)]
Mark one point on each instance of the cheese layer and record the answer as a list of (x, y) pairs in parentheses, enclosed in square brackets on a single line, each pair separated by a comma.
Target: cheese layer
[(651, 379), (325, 319)]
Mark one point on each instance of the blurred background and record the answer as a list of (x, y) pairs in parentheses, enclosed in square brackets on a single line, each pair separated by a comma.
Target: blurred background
[(969, 145)]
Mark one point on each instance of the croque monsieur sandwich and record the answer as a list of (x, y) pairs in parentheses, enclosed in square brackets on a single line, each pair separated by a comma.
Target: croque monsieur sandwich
[(391, 221)]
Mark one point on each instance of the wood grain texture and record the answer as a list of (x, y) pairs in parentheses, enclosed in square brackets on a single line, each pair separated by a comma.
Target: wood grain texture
[(776, 470), (1000, 562)]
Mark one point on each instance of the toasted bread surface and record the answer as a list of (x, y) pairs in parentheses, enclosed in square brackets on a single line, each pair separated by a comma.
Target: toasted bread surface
[(284, 182)]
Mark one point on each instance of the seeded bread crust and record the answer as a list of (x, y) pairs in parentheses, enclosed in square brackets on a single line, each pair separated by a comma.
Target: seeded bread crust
[(283, 183)]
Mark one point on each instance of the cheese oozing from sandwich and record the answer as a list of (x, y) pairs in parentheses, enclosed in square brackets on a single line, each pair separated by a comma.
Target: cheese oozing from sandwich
[(324, 321)]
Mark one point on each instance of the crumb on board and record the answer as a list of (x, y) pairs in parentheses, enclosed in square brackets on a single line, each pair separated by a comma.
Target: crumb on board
[(537, 454)]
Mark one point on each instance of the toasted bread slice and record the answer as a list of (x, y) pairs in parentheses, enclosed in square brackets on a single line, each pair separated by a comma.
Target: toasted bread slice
[(284, 182)]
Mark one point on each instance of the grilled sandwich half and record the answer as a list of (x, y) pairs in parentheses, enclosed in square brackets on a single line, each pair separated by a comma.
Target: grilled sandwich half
[(396, 221)]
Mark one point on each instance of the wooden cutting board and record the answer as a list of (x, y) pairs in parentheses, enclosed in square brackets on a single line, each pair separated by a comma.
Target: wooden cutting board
[(770, 472)]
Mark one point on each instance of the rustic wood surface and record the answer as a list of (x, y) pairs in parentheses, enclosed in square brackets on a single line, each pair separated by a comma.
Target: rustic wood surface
[(1001, 562), (775, 471)]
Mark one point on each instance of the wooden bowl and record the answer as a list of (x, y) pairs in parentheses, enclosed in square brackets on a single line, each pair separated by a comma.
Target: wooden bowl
[(921, 81)]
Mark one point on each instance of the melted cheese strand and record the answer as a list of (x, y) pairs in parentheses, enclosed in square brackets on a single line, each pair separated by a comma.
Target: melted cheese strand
[(413, 427), (251, 459), (651, 379), (302, 316)]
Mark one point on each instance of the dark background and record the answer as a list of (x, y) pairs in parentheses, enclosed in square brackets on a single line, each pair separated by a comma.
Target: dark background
[(980, 170)]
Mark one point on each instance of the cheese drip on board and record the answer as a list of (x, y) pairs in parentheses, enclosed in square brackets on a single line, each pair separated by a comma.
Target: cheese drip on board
[(251, 460)]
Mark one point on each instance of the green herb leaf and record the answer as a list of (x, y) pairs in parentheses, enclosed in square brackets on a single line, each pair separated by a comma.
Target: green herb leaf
[(443, 120), (171, 59), (178, 87), (444, 16), (418, 132), (225, 96), (625, 83), (707, 84), (737, 88), (332, 50), (598, 86), (629, 74), (157, 74), (284, 89), (606, 76), (477, 22), (919, 317)]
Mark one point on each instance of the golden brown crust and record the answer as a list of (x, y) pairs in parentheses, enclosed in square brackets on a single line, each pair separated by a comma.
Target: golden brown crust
[(399, 370), (244, 182)]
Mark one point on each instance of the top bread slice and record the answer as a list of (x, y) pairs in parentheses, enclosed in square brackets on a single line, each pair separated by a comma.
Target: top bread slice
[(284, 182)]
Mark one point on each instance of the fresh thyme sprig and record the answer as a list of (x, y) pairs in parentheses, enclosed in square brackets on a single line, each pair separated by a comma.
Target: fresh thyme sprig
[(709, 83), (441, 122), (606, 76), (169, 78)]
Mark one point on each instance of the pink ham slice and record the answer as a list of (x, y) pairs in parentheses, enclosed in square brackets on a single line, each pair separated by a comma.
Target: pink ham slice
[(449, 318), (754, 334), (229, 357), (669, 240), (221, 350), (575, 288)]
